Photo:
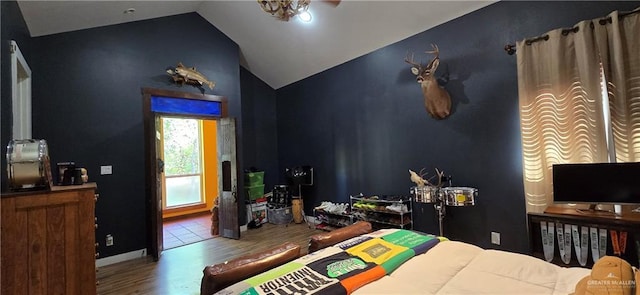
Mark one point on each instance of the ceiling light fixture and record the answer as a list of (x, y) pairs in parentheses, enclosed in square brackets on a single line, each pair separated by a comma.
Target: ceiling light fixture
[(129, 11), (305, 16), (285, 9)]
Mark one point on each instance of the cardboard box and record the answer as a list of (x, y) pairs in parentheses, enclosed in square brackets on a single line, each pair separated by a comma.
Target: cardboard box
[(257, 211)]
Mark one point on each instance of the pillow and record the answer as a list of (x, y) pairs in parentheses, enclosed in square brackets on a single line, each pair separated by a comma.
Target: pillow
[(611, 276), (219, 276), (327, 239)]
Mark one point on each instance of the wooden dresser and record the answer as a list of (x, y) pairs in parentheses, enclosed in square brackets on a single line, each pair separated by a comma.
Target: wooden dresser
[(48, 241)]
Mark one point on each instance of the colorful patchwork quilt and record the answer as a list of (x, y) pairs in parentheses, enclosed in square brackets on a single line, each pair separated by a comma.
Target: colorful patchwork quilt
[(341, 268)]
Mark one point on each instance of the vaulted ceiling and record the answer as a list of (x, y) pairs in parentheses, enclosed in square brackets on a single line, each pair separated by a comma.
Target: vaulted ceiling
[(277, 52)]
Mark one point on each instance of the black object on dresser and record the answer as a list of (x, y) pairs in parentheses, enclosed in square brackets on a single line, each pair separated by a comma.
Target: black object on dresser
[(628, 223)]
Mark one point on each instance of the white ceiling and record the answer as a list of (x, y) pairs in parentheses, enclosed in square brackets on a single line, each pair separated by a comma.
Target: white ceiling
[(277, 52)]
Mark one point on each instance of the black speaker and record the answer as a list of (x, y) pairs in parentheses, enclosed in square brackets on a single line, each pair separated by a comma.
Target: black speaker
[(281, 197), (300, 175)]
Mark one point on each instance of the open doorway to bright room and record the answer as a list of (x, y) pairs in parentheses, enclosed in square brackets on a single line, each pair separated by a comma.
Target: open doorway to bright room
[(188, 151)]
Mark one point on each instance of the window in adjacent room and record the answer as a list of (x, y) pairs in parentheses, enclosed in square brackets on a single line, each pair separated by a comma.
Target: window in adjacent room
[(183, 162)]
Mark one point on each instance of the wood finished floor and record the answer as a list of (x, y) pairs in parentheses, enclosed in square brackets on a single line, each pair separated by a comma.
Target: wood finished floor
[(179, 270)]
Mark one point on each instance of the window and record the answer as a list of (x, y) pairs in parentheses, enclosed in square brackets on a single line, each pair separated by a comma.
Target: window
[(183, 165), (579, 92)]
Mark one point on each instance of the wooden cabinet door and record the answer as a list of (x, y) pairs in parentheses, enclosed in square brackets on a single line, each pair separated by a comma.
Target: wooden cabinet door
[(48, 243)]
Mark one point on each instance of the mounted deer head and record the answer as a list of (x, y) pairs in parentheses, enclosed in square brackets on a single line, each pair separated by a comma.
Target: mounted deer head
[(436, 99)]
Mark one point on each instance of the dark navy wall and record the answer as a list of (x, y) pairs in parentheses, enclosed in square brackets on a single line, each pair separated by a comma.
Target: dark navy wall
[(13, 28), (260, 127), (362, 124), (87, 104)]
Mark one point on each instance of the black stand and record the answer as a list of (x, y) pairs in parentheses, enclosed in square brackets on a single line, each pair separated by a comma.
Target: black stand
[(594, 211), (439, 206)]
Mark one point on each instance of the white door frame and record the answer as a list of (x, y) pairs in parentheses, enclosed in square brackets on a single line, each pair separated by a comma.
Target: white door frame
[(20, 94)]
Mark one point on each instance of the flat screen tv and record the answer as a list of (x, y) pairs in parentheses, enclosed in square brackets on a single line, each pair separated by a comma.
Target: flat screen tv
[(597, 183)]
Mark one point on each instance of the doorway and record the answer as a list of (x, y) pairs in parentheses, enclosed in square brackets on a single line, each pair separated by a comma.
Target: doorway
[(189, 181), (190, 178), (159, 103)]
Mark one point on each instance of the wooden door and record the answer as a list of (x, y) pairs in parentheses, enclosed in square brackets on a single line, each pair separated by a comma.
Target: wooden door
[(157, 214), (227, 179)]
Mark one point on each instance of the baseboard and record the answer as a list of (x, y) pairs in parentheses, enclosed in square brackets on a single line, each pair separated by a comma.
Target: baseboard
[(243, 228), (121, 257)]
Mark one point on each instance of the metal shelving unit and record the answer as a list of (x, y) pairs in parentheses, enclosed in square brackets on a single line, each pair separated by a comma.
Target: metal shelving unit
[(375, 209), (330, 221)]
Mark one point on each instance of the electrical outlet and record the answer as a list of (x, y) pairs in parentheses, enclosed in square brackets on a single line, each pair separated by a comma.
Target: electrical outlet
[(109, 240), (495, 238)]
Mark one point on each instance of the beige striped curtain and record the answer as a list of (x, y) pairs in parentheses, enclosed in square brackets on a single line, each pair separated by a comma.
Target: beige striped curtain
[(618, 41), (560, 85)]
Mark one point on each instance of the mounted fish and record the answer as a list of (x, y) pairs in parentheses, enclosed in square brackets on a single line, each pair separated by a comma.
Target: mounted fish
[(182, 74)]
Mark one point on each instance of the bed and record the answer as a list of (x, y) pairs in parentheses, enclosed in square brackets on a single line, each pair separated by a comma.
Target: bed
[(395, 261), (458, 268)]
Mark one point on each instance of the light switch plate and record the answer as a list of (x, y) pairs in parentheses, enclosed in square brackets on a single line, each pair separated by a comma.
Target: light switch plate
[(105, 170)]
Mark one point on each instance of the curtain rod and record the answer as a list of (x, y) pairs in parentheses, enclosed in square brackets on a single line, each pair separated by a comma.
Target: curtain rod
[(511, 48)]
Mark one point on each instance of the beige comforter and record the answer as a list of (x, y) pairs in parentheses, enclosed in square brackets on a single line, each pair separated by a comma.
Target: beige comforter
[(460, 268)]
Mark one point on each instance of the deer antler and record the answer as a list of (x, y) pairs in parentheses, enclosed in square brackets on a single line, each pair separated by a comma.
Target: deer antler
[(417, 68), (410, 61), (427, 181), (435, 51), (440, 175), (418, 178)]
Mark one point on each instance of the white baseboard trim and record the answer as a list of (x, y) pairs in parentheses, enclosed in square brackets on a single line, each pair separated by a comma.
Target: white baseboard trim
[(137, 254), (121, 257)]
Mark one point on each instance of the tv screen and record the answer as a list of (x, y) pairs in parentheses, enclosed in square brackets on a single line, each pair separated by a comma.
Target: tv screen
[(597, 183)]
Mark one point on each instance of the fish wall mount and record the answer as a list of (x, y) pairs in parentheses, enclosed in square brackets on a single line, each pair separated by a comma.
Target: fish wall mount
[(191, 76)]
